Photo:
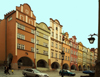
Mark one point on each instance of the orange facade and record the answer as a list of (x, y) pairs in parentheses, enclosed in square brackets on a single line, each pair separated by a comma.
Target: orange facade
[(25, 17)]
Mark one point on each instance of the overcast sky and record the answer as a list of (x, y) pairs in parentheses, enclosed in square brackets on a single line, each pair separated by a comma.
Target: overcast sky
[(78, 17)]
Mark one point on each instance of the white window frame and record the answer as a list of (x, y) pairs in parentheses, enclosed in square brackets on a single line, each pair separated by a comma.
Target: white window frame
[(32, 49), (32, 31), (32, 40)]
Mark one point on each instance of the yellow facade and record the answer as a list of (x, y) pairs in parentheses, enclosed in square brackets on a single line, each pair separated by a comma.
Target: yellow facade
[(80, 56), (42, 46)]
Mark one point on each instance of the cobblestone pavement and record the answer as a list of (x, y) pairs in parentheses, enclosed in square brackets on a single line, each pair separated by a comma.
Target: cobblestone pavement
[(18, 73)]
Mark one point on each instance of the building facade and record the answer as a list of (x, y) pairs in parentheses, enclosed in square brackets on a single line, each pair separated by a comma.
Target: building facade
[(66, 49), (42, 46), (80, 56), (84, 58), (18, 28), (55, 44), (74, 53), (88, 59)]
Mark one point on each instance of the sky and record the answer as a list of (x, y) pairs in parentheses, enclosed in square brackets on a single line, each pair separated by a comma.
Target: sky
[(78, 17)]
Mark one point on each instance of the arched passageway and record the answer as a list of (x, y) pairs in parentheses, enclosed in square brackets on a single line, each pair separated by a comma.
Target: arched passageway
[(42, 63), (73, 67), (25, 61), (9, 60), (80, 68), (84, 66), (55, 65), (65, 66)]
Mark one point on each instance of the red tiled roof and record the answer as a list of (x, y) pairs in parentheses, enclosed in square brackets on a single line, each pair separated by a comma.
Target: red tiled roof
[(7, 14)]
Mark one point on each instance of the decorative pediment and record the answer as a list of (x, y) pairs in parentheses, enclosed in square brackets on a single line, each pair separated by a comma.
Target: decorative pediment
[(43, 26), (25, 8), (80, 44), (57, 21)]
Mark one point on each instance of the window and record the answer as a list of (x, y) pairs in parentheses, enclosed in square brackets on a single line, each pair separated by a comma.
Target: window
[(32, 49), (66, 58), (56, 28), (10, 18), (74, 52), (66, 49), (44, 52), (56, 45), (52, 33), (37, 33), (32, 40), (51, 54), (37, 42), (56, 55), (45, 44), (63, 48), (52, 44), (20, 36), (22, 47), (20, 26), (37, 50), (32, 31), (60, 37), (18, 46), (59, 46), (56, 35), (59, 56)]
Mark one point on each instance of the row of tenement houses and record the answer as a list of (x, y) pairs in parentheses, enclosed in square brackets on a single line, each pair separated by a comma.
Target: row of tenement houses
[(25, 43)]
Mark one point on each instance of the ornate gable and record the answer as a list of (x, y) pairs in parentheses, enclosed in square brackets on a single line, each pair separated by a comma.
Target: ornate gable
[(43, 26), (26, 9)]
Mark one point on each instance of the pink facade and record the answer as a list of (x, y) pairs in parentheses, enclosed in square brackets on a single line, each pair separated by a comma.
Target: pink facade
[(74, 53)]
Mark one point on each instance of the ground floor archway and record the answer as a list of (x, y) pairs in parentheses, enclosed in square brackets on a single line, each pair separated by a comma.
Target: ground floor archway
[(73, 67), (25, 61), (55, 65), (80, 68), (65, 66), (42, 63)]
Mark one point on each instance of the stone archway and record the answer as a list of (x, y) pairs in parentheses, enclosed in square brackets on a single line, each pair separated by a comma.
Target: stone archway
[(80, 68), (25, 61), (84, 67), (55, 65), (65, 66), (73, 67), (42, 63), (9, 60), (88, 67)]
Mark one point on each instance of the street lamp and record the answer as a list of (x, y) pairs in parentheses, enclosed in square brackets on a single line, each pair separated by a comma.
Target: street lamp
[(62, 53), (92, 39)]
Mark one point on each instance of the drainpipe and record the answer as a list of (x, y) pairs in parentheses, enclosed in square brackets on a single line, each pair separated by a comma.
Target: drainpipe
[(35, 49), (6, 40)]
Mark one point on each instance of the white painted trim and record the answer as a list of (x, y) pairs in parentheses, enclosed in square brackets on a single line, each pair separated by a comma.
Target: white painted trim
[(26, 18), (21, 8), (16, 41), (16, 14), (22, 16), (50, 23), (49, 48), (34, 22), (58, 33), (31, 14), (54, 30), (30, 21)]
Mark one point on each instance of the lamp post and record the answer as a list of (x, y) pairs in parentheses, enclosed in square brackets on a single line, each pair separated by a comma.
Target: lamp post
[(62, 53)]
